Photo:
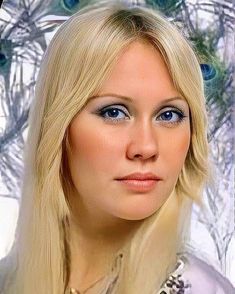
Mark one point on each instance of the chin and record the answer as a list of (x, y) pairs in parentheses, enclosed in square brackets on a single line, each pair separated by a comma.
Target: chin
[(138, 215)]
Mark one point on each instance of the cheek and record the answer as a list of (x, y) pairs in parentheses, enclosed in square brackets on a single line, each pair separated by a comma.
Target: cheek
[(93, 148), (182, 146), (175, 150)]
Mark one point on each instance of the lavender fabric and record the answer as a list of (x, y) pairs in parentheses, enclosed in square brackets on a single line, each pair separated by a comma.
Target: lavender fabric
[(195, 276)]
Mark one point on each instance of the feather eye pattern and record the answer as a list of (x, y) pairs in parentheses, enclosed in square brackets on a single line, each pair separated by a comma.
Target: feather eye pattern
[(208, 71), (61, 7), (70, 5), (166, 6), (5, 56)]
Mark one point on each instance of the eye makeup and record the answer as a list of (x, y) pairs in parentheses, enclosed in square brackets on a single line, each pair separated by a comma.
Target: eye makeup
[(115, 113)]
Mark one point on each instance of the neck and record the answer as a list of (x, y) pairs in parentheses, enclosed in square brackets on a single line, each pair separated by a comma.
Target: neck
[(94, 247), (94, 242)]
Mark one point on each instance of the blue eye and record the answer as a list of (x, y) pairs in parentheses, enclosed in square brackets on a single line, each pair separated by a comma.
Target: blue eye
[(113, 113), (171, 116)]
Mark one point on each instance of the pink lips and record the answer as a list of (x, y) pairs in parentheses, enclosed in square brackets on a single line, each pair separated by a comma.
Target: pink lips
[(140, 182)]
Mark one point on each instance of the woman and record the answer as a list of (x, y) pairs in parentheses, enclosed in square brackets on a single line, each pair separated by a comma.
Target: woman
[(116, 155)]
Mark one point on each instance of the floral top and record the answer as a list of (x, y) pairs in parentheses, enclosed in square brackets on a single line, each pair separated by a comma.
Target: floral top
[(195, 276), (175, 283)]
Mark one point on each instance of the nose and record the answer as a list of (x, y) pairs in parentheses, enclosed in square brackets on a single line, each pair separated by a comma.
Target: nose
[(143, 143)]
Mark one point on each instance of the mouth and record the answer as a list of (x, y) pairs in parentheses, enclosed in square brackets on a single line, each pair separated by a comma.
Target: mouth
[(140, 176)]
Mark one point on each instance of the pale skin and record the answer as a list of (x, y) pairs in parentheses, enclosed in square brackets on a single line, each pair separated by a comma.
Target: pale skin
[(152, 134)]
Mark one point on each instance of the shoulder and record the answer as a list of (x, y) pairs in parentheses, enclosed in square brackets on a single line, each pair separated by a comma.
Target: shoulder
[(205, 278), (194, 275)]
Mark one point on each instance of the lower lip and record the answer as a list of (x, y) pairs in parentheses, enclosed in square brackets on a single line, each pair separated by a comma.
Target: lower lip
[(139, 185)]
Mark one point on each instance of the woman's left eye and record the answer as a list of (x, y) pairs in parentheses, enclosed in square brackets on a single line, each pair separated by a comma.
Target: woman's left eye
[(171, 116)]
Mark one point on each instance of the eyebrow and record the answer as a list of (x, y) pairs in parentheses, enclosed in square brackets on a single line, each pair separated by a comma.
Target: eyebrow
[(130, 99)]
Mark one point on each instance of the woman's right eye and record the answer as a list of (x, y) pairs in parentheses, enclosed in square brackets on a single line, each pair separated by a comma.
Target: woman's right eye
[(113, 114)]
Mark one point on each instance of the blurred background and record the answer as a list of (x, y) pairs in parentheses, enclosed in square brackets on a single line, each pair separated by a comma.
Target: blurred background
[(26, 28)]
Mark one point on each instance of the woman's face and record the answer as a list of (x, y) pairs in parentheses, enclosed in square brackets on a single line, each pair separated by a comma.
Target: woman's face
[(114, 136)]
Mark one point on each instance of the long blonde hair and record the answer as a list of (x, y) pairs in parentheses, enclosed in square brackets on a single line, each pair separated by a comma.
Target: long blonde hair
[(76, 63)]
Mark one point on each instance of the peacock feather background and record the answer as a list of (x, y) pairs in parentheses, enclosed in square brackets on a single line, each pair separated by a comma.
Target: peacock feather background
[(26, 27)]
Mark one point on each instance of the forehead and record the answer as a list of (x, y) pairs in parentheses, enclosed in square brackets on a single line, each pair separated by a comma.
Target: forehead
[(140, 70)]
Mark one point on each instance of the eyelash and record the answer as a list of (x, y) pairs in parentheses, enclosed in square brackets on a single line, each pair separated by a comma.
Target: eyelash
[(181, 116)]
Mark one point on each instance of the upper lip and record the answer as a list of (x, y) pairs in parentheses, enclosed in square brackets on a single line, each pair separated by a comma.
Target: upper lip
[(140, 176)]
